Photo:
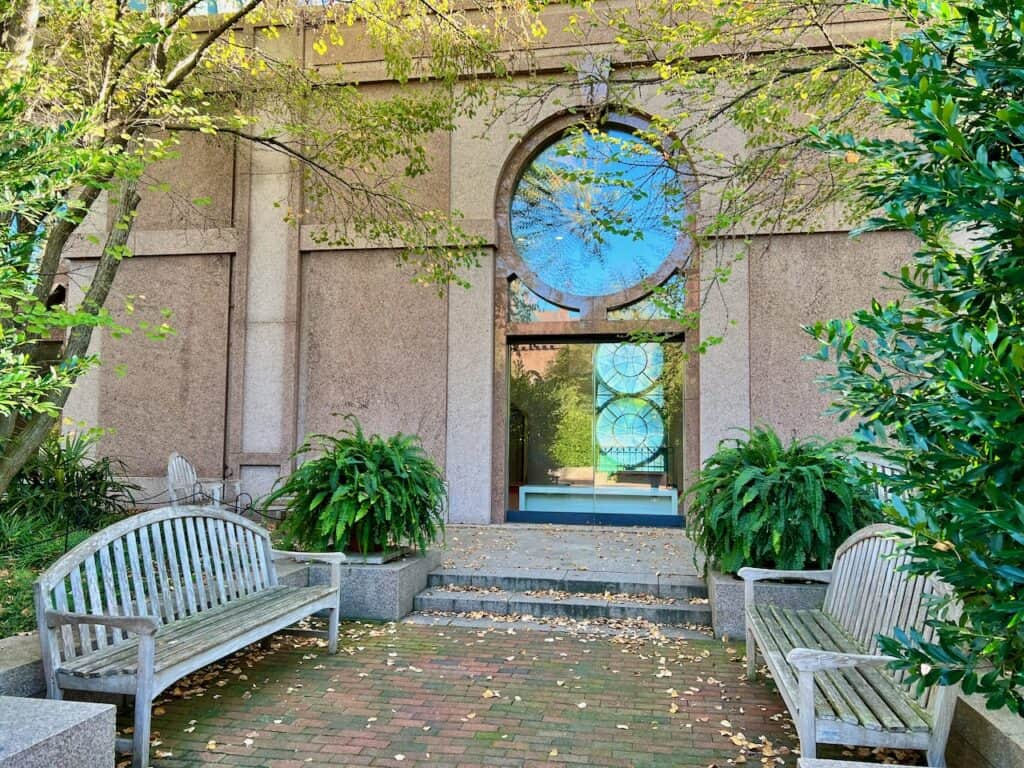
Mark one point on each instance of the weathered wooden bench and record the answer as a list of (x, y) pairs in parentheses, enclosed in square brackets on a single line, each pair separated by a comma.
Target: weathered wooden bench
[(159, 595), (826, 662), (184, 487)]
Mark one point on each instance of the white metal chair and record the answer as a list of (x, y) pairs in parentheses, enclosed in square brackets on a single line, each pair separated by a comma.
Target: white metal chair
[(185, 487)]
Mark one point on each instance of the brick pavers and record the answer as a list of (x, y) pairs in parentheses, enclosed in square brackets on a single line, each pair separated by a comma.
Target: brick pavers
[(402, 695)]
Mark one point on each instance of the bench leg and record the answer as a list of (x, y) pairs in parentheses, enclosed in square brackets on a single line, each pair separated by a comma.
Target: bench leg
[(805, 716), (751, 654), (332, 629), (140, 737), (143, 702)]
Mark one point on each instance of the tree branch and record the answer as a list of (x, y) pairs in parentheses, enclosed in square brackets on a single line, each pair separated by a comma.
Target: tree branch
[(184, 67), (106, 270), (55, 242)]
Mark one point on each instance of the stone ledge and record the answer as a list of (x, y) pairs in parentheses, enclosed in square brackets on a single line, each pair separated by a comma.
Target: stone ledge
[(984, 739), (384, 592), (21, 670), (38, 733), (725, 594)]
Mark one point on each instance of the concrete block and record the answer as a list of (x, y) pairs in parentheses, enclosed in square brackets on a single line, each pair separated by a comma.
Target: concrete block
[(725, 593), (384, 592), (981, 738), (21, 671), (38, 733)]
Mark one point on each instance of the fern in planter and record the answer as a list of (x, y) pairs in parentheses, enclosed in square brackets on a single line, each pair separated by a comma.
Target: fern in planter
[(362, 493), (757, 502)]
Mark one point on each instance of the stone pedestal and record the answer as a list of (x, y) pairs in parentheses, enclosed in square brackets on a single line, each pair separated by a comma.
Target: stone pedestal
[(379, 591), (725, 593), (38, 733), (21, 671)]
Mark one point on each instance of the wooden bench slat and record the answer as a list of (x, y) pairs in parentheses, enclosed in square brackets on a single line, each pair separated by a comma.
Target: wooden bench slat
[(156, 573), (185, 566), (78, 600), (911, 716), (96, 606), (837, 707), (197, 565), (196, 634), (185, 629), (60, 596), (110, 591), (853, 679), (166, 536), (210, 528), (851, 699), (775, 646), (230, 569)]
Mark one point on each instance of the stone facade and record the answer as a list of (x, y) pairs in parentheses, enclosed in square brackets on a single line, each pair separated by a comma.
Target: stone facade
[(276, 333)]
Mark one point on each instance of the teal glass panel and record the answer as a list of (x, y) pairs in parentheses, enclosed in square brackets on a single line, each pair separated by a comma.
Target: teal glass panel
[(596, 213), (595, 429)]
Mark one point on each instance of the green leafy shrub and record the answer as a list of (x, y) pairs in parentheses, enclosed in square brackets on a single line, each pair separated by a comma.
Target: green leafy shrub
[(64, 485), (57, 500), (937, 377), (367, 493), (759, 503)]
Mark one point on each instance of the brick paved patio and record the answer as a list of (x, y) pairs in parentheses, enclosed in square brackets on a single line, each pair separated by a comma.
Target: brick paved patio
[(450, 696)]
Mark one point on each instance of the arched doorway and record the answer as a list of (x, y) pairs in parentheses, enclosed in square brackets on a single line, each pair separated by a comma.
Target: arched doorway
[(595, 417)]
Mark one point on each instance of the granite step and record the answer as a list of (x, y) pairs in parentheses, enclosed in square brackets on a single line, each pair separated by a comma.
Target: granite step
[(681, 586), (556, 604)]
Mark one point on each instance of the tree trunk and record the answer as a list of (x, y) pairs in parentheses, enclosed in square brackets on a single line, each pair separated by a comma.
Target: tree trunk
[(19, 34), (25, 441)]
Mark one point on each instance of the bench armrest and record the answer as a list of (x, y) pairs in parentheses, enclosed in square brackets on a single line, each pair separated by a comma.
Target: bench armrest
[(763, 574), (333, 559), (140, 625), (813, 660)]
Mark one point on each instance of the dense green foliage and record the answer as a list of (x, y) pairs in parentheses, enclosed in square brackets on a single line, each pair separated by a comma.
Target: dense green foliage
[(64, 484), (92, 95), (370, 492), (56, 501), (938, 378), (760, 503)]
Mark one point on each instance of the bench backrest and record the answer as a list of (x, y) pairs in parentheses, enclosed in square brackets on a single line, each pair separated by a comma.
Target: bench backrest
[(182, 480), (870, 593), (168, 563)]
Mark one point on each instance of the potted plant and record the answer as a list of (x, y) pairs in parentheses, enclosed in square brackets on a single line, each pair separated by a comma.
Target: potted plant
[(757, 502), (362, 494)]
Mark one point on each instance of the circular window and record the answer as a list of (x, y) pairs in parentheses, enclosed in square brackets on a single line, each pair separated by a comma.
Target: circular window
[(629, 369), (630, 430), (596, 213)]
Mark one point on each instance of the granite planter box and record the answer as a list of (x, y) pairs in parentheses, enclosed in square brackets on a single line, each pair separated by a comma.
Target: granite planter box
[(725, 592), (382, 591), (38, 733)]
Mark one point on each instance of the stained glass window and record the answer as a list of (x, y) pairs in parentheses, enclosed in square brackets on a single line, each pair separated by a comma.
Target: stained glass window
[(596, 212)]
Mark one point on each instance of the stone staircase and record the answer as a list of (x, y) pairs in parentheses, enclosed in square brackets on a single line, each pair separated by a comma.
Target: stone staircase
[(676, 599)]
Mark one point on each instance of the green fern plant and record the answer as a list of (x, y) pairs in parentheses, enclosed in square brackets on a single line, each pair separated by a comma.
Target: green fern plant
[(757, 502), (367, 493)]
